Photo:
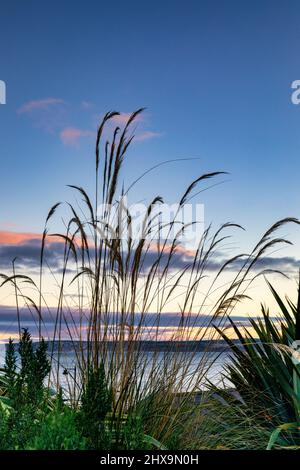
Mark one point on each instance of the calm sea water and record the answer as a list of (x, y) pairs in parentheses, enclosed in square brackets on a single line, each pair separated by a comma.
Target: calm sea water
[(213, 362)]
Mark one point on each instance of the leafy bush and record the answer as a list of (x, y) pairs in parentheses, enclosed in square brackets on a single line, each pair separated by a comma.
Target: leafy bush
[(26, 423), (24, 392), (101, 428), (58, 431), (25, 386), (96, 403)]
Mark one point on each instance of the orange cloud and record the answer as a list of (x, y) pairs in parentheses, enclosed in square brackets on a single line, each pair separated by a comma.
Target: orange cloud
[(20, 238), (178, 249), (17, 238)]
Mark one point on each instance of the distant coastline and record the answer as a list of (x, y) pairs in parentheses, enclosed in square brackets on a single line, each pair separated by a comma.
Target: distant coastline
[(66, 346)]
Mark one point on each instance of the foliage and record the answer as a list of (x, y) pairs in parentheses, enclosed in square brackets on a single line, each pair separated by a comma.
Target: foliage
[(222, 422), (58, 431), (26, 386), (96, 403), (24, 391), (100, 427), (10, 366), (265, 372), (26, 423)]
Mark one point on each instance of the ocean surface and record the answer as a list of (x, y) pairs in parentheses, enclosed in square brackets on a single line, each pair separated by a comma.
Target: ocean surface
[(213, 362)]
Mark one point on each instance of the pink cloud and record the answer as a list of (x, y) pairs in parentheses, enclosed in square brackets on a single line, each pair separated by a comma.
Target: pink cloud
[(71, 136), (122, 118), (146, 135), (121, 121), (167, 248), (42, 104), (20, 238)]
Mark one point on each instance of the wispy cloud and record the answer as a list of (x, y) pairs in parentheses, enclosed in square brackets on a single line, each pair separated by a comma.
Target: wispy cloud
[(146, 135), (166, 330), (53, 116), (26, 246), (140, 123), (20, 238), (167, 319), (71, 136), (86, 105), (184, 258), (48, 114), (42, 104), (122, 119)]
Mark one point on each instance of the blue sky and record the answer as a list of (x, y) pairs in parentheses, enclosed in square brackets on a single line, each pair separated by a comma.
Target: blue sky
[(215, 78)]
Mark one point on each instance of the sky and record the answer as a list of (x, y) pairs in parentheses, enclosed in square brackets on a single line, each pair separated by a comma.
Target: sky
[(215, 78)]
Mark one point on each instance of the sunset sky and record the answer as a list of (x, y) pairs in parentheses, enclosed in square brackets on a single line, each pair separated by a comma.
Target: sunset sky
[(215, 78)]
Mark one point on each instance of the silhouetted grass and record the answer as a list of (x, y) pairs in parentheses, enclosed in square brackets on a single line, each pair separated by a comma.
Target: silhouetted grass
[(116, 283)]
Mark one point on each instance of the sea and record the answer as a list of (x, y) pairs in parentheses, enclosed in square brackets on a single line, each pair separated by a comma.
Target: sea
[(214, 364)]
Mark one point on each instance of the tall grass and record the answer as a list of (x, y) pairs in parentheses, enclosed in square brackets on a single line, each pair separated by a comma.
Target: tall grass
[(117, 280)]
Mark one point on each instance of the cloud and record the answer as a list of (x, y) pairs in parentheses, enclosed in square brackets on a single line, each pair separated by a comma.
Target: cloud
[(17, 238), (53, 116), (149, 320), (286, 264), (71, 136), (48, 114), (183, 259), (37, 105), (86, 104), (146, 135), (122, 119), (27, 255), (26, 247), (149, 328)]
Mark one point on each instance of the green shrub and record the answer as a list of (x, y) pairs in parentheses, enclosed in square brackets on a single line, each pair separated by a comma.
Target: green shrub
[(58, 431), (96, 403), (133, 435), (24, 391)]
